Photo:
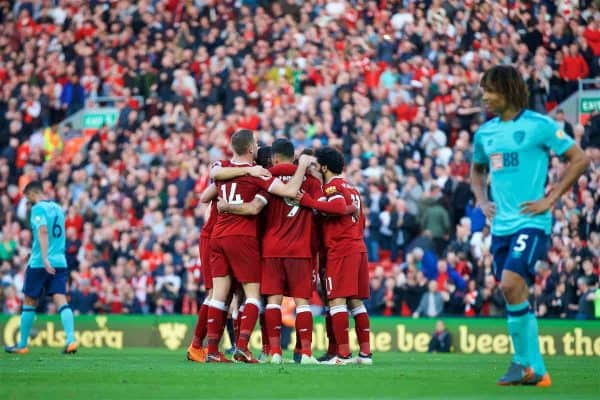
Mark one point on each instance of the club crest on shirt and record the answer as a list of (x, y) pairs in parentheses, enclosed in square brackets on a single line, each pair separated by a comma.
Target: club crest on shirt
[(560, 134), (518, 136), (330, 190)]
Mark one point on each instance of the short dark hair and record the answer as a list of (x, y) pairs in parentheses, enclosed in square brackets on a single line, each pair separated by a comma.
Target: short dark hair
[(241, 141), (506, 80), (331, 158), (33, 187), (284, 148), (264, 156)]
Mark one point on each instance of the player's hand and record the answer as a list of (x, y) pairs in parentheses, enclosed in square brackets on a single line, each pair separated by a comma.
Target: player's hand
[(536, 207), (305, 160), (489, 209), (49, 268), (259, 172), (299, 196), (222, 205)]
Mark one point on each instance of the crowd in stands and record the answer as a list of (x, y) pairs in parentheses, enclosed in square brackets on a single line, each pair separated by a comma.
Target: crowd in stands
[(393, 84)]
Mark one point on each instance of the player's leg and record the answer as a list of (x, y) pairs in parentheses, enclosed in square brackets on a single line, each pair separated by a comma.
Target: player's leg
[(525, 248), (195, 351), (272, 286), (517, 368), (217, 315), (244, 257), (27, 318), (299, 278), (264, 333), (322, 290), (532, 245), (273, 325), (35, 281), (248, 322), (217, 309), (359, 313), (57, 288)]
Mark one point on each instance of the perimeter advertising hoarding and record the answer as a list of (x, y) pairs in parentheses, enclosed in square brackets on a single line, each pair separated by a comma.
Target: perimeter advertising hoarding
[(471, 336)]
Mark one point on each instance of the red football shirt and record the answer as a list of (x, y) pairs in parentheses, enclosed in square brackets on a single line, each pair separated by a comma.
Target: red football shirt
[(289, 227), (343, 234), (242, 189), (212, 218)]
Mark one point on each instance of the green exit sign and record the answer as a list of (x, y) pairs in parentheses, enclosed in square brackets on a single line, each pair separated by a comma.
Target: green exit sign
[(95, 119), (590, 105)]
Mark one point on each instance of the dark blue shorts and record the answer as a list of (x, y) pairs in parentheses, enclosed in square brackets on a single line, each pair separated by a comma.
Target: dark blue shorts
[(519, 252), (37, 280)]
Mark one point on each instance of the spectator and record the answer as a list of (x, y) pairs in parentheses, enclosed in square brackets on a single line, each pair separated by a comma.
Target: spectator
[(431, 304), (403, 106), (586, 299), (441, 340)]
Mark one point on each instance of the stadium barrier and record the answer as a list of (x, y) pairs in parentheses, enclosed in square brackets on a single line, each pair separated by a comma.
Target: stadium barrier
[(471, 336)]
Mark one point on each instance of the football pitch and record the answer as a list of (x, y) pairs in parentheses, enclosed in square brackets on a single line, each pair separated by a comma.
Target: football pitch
[(157, 373)]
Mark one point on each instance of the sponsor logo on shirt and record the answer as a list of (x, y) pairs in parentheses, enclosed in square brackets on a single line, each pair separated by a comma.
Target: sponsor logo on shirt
[(496, 161), (331, 190)]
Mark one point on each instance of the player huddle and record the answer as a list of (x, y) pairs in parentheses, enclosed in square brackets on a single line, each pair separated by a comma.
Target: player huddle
[(270, 234)]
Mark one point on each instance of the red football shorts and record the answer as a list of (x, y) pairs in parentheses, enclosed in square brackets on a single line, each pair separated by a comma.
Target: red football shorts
[(347, 277), (291, 277), (235, 256), (205, 261)]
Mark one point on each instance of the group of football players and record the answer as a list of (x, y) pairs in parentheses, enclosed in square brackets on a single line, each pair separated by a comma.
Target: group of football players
[(278, 229)]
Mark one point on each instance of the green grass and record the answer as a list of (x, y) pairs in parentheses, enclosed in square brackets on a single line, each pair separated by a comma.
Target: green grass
[(157, 373)]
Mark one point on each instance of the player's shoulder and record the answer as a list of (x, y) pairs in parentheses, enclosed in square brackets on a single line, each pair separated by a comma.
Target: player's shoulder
[(283, 169), (488, 125), (221, 163), (537, 118), (335, 185)]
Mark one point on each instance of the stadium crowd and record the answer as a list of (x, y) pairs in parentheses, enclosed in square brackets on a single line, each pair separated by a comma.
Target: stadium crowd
[(393, 84)]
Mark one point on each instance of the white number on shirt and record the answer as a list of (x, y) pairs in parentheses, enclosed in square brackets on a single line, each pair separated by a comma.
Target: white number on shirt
[(356, 201), (521, 243), (233, 198)]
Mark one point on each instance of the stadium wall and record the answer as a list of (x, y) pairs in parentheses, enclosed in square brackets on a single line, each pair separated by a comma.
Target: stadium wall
[(471, 336)]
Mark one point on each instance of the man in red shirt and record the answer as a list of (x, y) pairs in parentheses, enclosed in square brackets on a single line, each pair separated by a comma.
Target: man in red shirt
[(346, 269), (195, 351), (287, 252), (234, 245)]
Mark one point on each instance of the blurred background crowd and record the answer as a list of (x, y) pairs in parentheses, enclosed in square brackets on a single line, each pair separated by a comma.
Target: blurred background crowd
[(393, 84)]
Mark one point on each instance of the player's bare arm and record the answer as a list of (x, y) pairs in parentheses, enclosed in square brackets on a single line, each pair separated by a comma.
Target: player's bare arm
[(252, 208), (479, 178), (219, 173), (291, 188), (43, 238), (209, 194), (577, 164)]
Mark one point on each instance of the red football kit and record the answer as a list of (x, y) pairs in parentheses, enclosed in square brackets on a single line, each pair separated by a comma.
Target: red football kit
[(286, 243), (347, 272), (234, 243)]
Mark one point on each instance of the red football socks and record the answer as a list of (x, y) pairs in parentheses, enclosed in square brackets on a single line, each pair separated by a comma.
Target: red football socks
[(363, 330), (201, 327), (264, 334), (273, 320), (217, 314), (304, 329), (248, 321), (339, 321)]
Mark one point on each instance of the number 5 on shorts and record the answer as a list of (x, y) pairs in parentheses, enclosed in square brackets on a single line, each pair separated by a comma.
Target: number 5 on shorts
[(521, 243)]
